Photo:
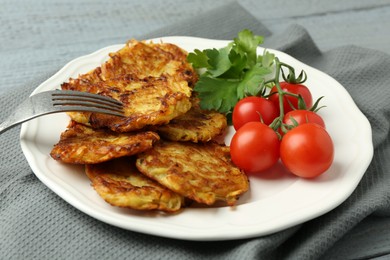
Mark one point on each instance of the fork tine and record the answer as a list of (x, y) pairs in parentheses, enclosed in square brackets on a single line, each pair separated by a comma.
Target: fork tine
[(80, 102), (72, 108), (69, 100), (85, 96), (85, 101)]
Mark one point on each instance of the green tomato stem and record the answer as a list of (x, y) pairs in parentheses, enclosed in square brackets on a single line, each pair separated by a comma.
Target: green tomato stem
[(278, 87), (278, 121)]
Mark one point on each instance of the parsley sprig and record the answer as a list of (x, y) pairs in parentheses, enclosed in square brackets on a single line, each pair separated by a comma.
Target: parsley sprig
[(231, 73)]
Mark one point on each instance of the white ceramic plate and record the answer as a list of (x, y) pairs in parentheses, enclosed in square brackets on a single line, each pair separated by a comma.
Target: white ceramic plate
[(276, 199)]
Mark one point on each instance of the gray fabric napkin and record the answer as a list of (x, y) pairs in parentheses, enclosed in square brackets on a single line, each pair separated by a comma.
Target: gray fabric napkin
[(36, 224)]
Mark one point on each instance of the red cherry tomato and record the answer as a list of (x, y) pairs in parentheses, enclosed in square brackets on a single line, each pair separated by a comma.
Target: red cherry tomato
[(254, 147), (303, 117), (295, 89), (251, 109), (307, 150)]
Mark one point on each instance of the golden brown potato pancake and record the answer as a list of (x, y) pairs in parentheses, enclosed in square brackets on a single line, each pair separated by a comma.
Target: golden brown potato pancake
[(196, 126), (149, 60), (202, 172), (153, 81), (120, 184), (151, 101), (80, 144)]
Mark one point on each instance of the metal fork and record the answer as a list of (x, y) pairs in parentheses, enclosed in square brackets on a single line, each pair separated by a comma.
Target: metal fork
[(56, 101)]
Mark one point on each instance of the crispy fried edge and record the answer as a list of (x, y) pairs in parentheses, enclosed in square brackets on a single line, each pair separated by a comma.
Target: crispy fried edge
[(65, 148), (118, 191)]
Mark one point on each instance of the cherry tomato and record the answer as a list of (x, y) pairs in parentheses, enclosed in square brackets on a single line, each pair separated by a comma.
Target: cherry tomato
[(307, 150), (303, 117), (251, 109), (295, 89), (254, 147)]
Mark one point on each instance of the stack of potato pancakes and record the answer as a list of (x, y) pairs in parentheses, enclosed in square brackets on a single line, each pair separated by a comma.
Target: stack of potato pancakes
[(162, 155)]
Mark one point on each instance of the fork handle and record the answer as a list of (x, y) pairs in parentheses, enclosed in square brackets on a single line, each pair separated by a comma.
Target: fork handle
[(7, 125)]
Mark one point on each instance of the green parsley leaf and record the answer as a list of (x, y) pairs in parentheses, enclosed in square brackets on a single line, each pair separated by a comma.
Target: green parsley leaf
[(238, 63), (219, 61), (198, 59), (253, 82), (267, 59), (247, 43), (216, 94), (231, 73)]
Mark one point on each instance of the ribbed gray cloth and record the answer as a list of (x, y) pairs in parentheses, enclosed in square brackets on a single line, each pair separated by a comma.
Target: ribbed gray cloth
[(37, 224)]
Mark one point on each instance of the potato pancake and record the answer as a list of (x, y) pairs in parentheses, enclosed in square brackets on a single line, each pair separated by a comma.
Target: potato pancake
[(153, 81), (202, 172), (80, 144), (120, 184), (149, 60), (150, 101), (196, 125)]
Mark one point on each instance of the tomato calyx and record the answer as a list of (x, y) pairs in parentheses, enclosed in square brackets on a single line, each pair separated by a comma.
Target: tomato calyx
[(315, 107), (291, 78)]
